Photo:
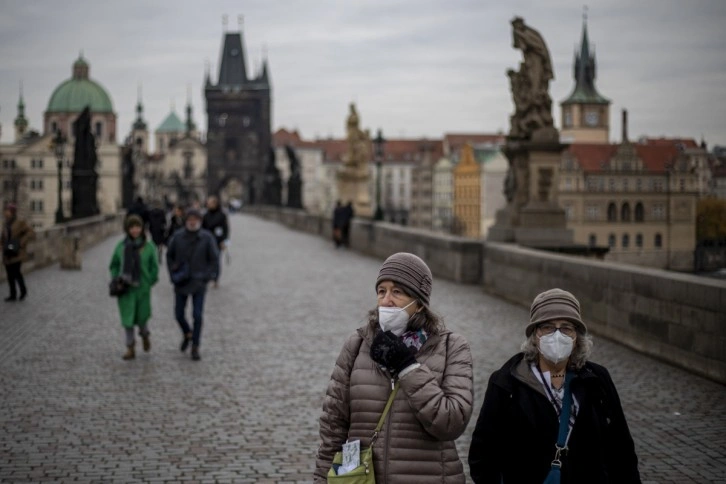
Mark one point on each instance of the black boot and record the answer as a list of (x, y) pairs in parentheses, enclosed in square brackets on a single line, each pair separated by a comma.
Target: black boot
[(11, 298), (185, 342), (195, 353), (146, 341)]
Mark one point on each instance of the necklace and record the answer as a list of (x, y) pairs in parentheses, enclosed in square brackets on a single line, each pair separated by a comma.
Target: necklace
[(560, 375)]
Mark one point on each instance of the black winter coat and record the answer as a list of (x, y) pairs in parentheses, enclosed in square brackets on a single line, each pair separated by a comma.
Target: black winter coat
[(157, 225), (216, 222), (199, 250), (515, 435)]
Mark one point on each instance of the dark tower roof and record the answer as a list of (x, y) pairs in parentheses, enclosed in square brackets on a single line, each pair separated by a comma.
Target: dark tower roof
[(232, 68), (139, 124), (584, 73)]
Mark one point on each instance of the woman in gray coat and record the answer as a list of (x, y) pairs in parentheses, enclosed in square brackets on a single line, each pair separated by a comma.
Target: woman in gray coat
[(404, 342)]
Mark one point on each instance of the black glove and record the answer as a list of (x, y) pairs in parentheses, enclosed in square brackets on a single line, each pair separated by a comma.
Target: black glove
[(388, 350)]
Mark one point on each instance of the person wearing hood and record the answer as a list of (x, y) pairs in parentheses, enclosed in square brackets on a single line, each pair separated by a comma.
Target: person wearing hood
[(15, 237), (526, 432), (403, 353), (135, 261), (192, 259), (215, 221)]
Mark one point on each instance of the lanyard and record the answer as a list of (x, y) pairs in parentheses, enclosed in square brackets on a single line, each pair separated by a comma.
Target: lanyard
[(551, 395)]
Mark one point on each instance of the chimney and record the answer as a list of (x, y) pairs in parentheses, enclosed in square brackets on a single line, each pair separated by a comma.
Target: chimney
[(625, 125)]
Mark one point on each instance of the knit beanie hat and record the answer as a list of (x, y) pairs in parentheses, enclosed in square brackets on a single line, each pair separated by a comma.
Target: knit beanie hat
[(132, 220), (555, 304), (409, 272), (193, 212)]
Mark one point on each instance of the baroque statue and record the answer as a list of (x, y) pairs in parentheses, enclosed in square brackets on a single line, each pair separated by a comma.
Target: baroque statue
[(530, 85), (358, 155)]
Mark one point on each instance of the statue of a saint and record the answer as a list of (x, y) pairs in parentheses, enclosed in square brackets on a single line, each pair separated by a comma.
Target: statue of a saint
[(359, 146), (530, 85)]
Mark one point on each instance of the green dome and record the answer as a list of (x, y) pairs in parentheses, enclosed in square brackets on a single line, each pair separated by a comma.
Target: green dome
[(73, 95)]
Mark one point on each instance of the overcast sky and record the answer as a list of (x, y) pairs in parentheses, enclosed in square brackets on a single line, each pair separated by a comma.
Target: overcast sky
[(414, 68)]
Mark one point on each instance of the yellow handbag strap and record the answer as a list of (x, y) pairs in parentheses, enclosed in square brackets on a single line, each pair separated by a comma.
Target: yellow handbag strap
[(385, 413)]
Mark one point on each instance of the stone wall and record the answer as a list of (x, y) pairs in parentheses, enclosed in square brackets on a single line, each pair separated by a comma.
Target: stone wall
[(678, 318), (47, 247)]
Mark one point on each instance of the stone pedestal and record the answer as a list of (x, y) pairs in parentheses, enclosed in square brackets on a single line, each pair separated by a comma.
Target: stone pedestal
[(70, 252), (353, 187), (533, 217)]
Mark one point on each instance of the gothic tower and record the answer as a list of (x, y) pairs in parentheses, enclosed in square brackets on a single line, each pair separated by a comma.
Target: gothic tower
[(238, 129), (585, 113)]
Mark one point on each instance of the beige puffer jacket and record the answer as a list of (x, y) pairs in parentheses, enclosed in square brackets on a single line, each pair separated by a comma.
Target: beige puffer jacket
[(431, 409)]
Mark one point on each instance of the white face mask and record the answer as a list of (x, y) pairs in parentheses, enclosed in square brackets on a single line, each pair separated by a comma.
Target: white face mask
[(393, 319), (555, 347)]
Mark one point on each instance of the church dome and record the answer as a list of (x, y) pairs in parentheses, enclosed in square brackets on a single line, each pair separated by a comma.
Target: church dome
[(73, 95)]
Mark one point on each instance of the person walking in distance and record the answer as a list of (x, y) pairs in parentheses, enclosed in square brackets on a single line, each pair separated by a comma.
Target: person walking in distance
[(176, 222), (215, 221), (348, 214), (157, 226), (15, 238), (136, 261), (192, 259)]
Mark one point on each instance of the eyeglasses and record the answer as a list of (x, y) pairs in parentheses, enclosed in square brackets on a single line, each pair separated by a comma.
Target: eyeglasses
[(549, 328)]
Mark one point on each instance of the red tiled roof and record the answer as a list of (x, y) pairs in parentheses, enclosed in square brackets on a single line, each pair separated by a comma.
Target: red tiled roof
[(459, 139), (395, 150), (685, 142), (284, 137), (594, 157)]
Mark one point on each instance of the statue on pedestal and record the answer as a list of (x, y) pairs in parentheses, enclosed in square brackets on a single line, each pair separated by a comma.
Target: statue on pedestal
[(294, 183), (273, 183), (84, 179), (353, 177)]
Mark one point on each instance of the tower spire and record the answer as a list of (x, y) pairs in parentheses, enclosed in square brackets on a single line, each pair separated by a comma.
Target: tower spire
[(21, 123), (139, 124), (189, 123), (584, 71)]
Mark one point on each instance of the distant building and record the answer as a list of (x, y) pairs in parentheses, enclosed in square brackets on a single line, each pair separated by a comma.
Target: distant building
[(717, 163), (443, 195), (28, 166), (238, 130), (585, 112)]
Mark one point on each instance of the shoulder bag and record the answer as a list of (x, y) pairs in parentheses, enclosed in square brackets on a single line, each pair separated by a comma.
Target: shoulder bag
[(563, 436), (363, 474)]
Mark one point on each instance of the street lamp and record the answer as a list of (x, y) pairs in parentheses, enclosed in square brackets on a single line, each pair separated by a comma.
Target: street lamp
[(378, 142), (59, 144)]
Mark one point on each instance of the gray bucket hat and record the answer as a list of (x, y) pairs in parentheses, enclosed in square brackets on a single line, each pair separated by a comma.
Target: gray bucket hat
[(555, 304)]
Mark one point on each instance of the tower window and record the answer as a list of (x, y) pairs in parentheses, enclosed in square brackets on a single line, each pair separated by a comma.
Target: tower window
[(658, 241), (99, 129)]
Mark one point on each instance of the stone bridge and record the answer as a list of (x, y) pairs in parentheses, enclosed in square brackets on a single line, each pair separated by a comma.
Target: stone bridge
[(72, 410)]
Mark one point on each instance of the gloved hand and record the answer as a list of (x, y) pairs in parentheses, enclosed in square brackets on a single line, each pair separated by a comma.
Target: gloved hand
[(388, 350)]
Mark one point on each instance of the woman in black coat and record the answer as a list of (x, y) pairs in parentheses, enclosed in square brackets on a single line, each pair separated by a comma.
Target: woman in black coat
[(515, 435)]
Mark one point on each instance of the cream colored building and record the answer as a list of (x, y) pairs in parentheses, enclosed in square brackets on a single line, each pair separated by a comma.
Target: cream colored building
[(639, 199), (29, 166), (443, 195)]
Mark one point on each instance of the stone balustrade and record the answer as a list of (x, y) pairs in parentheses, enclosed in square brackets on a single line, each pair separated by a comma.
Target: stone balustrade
[(678, 318)]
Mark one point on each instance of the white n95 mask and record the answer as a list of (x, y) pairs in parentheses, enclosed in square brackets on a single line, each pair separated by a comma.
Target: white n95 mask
[(555, 347), (393, 319)]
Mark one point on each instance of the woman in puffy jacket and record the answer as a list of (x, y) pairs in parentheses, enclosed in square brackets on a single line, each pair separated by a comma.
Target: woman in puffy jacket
[(404, 342)]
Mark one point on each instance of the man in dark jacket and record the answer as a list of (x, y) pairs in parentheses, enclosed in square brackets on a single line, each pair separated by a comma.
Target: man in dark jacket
[(14, 239), (138, 207), (215, 221), (193, 260), (176, 222), (157, 226)]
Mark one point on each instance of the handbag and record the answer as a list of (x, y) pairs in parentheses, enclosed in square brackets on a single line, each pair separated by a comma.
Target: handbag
[(363, 474), (117, 287), (563, 436), (12, 248)]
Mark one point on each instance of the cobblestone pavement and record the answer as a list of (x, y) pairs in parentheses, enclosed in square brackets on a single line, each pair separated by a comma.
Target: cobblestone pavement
[(72, 410)]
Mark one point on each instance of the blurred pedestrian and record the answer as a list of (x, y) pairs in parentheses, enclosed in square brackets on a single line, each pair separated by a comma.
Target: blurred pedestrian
[(135, 260), (551, 413), (348, 214), (16, 235), (215, 221), (157, 226), (138, 207), (192, 260), (338, 221), (176, 222), (406, 356)]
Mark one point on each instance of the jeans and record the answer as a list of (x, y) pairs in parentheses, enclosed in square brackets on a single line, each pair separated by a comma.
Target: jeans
[(15, 276), (197, 309)]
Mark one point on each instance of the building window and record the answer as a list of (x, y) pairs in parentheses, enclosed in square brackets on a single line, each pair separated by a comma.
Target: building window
[(36, 184), (593, 212), (54, 126), (568, 119), (639, 212), (592, 240), (626, 241), (625, 185), (568, 184), (638, 185), (68, 184), (36, 206), (611, 241), (612, 212), (611, 184), (99, 129), (625, 212), (658, 211), (682, 184), (639, 240), (658, 241), (658, 185), (569, 211)]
